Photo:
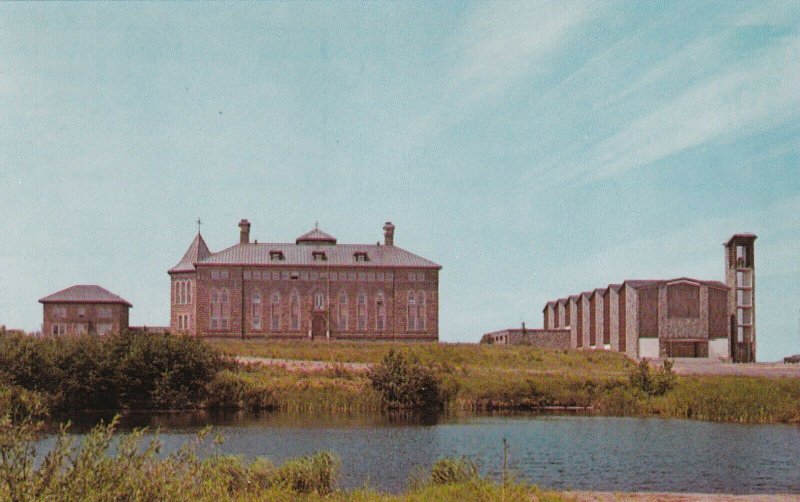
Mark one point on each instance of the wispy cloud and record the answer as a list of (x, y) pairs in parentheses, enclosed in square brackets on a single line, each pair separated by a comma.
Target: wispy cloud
[(753, 96), (498, 46)]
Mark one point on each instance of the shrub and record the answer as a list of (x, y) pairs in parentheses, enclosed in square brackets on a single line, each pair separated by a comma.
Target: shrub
[(447, 471), (404, 383), (312, 474), (657, 384), (132, 370)]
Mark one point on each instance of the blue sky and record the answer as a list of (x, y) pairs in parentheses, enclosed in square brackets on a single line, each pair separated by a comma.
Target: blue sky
[(533, 149)]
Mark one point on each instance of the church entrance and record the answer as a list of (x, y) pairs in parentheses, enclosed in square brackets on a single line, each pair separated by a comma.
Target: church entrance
[(318, 326)]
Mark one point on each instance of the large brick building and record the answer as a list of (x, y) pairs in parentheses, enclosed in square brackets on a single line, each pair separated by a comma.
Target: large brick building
[(668, 318), (313, 288), (680, 317), (84, 309)]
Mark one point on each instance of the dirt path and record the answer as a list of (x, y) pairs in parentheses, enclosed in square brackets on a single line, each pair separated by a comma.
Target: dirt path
[(681, 366), (674, 497), (301, 365), (706, 367)]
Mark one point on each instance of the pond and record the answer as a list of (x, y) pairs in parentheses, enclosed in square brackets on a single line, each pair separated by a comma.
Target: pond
[(553, 451)]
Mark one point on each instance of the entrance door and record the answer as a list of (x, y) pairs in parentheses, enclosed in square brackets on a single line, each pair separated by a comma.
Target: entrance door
[(318, 327)]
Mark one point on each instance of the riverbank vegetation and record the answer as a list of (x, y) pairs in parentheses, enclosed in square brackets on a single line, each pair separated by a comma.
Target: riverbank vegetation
[(148, 371), (489, 377), (109, 467)]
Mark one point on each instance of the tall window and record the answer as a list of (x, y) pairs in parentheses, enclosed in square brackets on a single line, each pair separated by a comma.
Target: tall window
[(275, 311), (220, 309), (183, 292), (411, 313), (216, 309), (294, 310), (362, 311), (421, 311), (255, 302), (380, 312), (342, 311), (319, 301)]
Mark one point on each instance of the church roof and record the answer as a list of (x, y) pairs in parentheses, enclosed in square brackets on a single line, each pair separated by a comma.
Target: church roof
[(198, 251), (316, 236), (84, 293), (303, 254)]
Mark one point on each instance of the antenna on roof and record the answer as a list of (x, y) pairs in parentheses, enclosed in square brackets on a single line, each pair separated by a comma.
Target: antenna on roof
[(198, 225), (316, 225)]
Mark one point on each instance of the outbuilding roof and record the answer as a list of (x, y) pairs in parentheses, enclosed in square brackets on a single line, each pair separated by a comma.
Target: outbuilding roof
[(85, 293)]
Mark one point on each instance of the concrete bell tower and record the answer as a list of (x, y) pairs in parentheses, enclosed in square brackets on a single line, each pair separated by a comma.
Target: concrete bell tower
[(740, 277)]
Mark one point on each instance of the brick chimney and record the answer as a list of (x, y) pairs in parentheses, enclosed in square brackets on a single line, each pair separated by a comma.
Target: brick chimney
[(244, 232), (388, 234)]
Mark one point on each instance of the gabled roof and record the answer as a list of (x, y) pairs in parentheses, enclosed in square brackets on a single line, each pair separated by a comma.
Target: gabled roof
[(198, 251), (302, 254), (655, 282), (641, 283), (84, 293), (316, 236)]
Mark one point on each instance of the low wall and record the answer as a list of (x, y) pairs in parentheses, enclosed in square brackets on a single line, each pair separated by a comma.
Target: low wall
[(543, 338)]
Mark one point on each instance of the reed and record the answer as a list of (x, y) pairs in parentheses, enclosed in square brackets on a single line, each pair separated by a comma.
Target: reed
[(96, 471)]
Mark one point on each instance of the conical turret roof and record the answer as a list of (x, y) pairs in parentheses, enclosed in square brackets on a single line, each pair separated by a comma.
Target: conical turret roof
[(198, 250)]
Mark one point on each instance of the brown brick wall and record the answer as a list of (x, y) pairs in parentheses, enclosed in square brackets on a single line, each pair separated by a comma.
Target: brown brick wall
[(683, 300), (648, 312), (306, 282), (718, 313), (90, 318), (542, 338)]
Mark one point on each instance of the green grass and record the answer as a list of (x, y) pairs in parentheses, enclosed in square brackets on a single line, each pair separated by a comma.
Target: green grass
[(454, 356), (490, 377)]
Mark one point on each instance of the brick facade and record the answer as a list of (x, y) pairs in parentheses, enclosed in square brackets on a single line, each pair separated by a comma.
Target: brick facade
[(84, 310), (542, 338), (376, 297)]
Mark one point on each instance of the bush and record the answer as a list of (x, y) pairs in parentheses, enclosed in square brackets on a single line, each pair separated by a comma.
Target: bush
[(448, 471), (312, 474), (132, 370), (404, 383), (657, 384)]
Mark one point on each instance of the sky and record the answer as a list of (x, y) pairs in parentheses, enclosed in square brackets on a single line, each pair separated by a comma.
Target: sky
[(534, 150)]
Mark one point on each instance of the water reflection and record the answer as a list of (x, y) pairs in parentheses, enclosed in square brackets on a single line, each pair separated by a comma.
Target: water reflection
[(556, 451)]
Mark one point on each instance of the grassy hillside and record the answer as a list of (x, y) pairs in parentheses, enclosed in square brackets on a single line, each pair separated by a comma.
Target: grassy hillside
[(483, 377), (456, 355)]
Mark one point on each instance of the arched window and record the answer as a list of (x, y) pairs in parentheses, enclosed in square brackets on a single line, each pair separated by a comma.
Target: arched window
[(275, 311), (361, 305), (421, 311), (255, 302), (341, 311), (294, 310), (380, 311), (411, 313)]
